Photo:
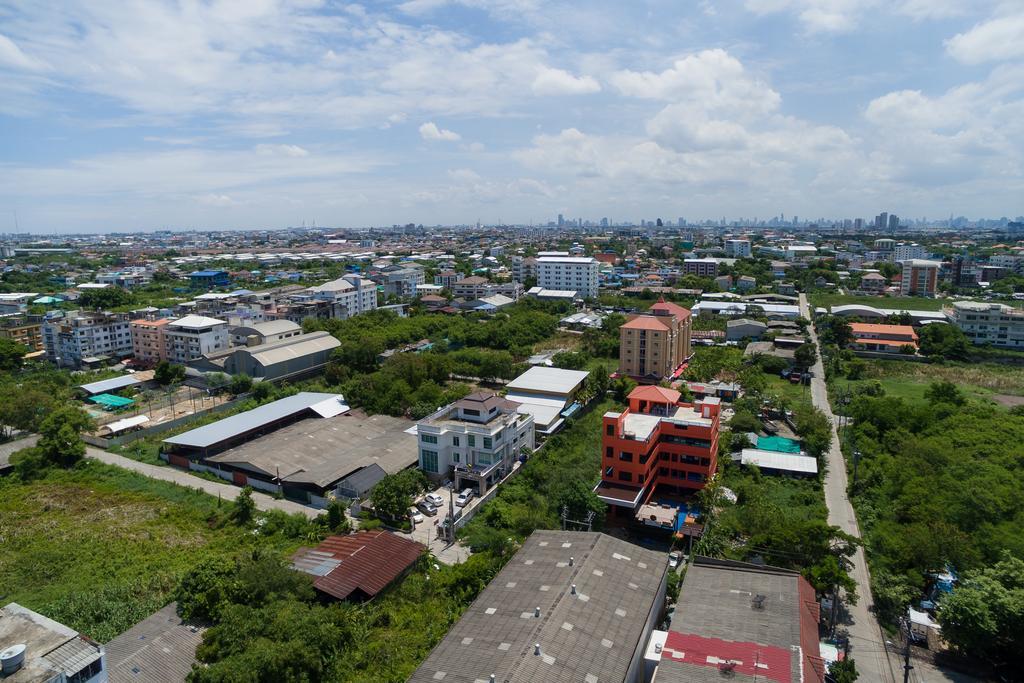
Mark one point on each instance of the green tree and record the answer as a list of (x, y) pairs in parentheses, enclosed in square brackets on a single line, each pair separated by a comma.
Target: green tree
[(943, 342), (240, 384), (244, 508), (945, 392), (579, 500), (60, 435), (12, 354), (108, 297), (261, 391), (842, 671), (805, 355), (392, 496), (167, 373), (984, 615), (337, 520)]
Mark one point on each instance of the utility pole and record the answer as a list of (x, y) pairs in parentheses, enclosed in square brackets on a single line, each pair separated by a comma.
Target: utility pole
[(906, 650)]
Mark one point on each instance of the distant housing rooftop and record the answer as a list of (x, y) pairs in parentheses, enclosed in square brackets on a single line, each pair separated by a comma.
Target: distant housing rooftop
[(161, 648)]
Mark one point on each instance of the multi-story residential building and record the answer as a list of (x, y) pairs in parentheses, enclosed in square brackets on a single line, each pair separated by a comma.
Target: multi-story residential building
[(476, 287), (524, 268), (1011, 262), (882, 338), (653, 345), (207, 279), (354, 293), (905, 252), (702, 267), (737, 248), (872, 283), (989, 323), (86, 337), (447, 278), (745, 283), (920, 278), (148, 343), (658, 445), (129, 279), (573, 273), (194, 336), (401, 281), (25, 330), (474, 441)]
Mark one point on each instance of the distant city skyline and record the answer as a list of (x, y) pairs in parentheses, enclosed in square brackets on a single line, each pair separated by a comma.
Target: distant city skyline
[(120, 117)]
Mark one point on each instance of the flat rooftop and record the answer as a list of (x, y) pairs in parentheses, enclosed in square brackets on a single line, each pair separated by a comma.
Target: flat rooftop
[(322, 451), (548, 380), (588, 637), (51, 648)]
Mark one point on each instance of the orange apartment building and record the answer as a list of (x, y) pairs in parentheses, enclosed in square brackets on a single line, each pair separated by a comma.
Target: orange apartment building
[(148, 344), (654, 344), (657, 446)]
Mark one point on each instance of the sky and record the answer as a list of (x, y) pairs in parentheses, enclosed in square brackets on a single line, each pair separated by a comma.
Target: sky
[(120, 115)]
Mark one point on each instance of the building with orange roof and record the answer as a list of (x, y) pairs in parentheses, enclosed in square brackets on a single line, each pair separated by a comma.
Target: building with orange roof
[(883, 338), (657, 447), (653, 344)]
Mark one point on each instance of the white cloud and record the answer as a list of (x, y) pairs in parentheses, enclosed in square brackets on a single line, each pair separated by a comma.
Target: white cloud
[(430, 131), (559, 82), (293, 151), (997, 39), (219, 200), (710, 79), (842, 16), (12, 56)]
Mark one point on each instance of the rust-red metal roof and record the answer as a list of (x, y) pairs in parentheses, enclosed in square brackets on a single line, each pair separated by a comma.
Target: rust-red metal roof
[(370, 560)]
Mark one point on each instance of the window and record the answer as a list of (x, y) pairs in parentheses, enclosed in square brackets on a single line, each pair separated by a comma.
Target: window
[(455, 441), (472, 440), (428, 461), (90, 670), (625, 476), (429, 438), (626, 457), (470, 411), (610, 430), (488, 442), (609, 452), (455, 457)]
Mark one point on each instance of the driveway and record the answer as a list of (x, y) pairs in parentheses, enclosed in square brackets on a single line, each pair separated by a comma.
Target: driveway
[(225, 491), (426, 531)]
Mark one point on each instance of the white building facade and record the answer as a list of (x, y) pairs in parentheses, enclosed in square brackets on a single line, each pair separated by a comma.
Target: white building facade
[(193, 336), (737, 248), (355, 293), (989, 323), (575, 273), (79, 336)]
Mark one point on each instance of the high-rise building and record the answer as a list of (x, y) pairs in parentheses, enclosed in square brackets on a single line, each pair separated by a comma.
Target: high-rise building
[(920, 278), (894, 222), (569, 273), (882, 221), (657, 446), (561, 220), (654, 344)]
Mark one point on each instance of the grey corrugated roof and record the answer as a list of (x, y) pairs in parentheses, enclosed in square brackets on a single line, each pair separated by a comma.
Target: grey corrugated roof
[(364, 479), (159, 649), (590, 636), (208, 435), (112, 384)]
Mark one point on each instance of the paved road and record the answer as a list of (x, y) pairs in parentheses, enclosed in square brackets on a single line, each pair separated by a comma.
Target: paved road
[(867, 643), (225, 491)]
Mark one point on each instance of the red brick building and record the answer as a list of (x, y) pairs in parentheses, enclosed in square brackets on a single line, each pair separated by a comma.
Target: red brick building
[(657, 445)]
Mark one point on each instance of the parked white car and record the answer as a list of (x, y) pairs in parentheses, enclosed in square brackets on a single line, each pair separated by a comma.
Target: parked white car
[(415, 515), (434, 499), (464, 497)]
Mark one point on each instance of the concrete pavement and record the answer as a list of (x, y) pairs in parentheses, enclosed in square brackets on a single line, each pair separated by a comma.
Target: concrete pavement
[(226, 491), (867, 642)]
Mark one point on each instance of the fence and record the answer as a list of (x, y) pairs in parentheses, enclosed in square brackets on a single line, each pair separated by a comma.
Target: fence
[(107, 442)]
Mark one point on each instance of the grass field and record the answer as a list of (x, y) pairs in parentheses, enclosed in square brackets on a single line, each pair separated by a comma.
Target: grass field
[(912, 303), (99, 548), (982, 381)]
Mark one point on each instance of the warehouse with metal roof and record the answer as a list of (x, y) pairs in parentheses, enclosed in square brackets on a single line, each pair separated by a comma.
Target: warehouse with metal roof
[(570, 606), (291, 358)]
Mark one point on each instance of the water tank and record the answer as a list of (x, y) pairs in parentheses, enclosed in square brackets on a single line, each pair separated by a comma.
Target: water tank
[(11, 659)]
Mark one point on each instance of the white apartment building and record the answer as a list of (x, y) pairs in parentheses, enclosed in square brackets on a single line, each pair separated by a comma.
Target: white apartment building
[(989, 323), (80, 337), (906, 252), (475, 440), (1011, 262), (355, 293), (524, 268), (737, 248), (576, 273), (193, 336), (401, 281)]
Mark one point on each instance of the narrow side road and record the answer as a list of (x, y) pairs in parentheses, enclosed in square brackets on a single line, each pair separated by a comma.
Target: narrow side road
[(226, 491), (867, 642)]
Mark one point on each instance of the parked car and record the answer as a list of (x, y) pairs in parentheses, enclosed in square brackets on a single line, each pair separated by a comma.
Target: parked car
[(464, 498), (434, 499), (426, 508), (674, 558), (415, 516)]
